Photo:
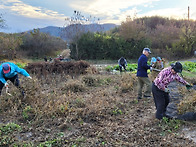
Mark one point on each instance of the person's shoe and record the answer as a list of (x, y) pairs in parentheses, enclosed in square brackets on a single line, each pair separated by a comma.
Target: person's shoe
[(23, 95), (146, 96), (139, 98)]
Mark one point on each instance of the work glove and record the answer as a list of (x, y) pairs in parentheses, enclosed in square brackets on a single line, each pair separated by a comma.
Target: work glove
[(29, 77), (188, 86), (6, 85), (167, 90), (151, 69)]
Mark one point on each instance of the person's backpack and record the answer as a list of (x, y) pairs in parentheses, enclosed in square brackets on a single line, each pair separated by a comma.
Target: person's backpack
[(122, 61)]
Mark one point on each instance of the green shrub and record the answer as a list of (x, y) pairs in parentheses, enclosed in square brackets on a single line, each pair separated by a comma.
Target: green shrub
[(109, 68), (189, 66), (21, 65), (131, 67)]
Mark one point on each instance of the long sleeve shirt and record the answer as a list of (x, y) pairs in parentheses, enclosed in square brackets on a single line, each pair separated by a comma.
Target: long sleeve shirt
[(165, 77), (14, 69), (123, 63), (142, 66)]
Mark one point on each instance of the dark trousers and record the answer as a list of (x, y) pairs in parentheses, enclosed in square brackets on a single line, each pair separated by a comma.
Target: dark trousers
[(14, 80), (161, 100), (122, 66)]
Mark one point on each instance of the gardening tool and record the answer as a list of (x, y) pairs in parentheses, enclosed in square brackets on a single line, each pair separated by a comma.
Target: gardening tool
[(188, 87), (6, 90), (156, 69)]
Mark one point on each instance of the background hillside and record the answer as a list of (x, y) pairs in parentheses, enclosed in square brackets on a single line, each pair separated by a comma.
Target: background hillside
[(56, 31)]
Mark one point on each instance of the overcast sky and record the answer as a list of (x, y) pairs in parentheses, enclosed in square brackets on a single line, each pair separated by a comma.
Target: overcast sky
[(24, 15)]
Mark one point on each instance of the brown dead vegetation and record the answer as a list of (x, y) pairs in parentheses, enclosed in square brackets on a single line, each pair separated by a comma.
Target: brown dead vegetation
[(89, 109), (58, 67)]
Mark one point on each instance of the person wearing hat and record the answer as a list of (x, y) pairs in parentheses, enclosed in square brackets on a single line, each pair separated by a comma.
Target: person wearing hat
[(160, 62), (160, 90), (157, 66), (9, 71), (142, 74)]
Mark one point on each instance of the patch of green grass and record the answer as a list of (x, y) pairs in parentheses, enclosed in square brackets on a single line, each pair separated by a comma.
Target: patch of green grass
[(51, 143), (117, 111), (9, 128), (5, 133), (169, 125), (26, 111)]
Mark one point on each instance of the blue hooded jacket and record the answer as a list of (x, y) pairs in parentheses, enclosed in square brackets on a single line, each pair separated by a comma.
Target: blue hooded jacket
[(14, 69), (142, 66)]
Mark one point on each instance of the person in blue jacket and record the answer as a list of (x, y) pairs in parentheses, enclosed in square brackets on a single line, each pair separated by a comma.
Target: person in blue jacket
[(142, 74), (9, 71)]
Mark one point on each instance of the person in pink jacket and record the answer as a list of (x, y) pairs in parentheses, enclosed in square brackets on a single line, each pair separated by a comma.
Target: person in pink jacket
[(160, 90)]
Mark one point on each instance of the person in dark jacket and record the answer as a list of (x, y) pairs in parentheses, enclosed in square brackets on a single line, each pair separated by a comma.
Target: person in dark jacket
[(122, 62), (142, 74), (45, 59), (9, 71)]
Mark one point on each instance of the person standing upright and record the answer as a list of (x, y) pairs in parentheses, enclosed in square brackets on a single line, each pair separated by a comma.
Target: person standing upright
[(143, 75)]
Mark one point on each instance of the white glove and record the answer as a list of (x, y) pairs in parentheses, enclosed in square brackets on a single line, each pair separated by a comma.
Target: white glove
[(6, 84), (150, 68), (167, 90), (29, 77)]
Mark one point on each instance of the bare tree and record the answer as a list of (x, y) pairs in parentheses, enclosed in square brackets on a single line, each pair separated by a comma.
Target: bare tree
[(75, 26), (2, 22)]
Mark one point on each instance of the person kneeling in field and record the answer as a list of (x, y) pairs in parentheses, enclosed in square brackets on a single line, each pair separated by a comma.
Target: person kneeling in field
[(9, 71)]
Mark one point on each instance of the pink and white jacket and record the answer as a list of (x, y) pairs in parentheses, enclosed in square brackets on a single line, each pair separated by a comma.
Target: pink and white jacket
[(165, 77)]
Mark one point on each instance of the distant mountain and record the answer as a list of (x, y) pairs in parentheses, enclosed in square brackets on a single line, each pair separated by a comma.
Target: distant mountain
[(56, 31)]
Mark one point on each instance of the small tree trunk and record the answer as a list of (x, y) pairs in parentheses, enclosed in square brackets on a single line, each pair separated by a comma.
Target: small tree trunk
[(77, 51)]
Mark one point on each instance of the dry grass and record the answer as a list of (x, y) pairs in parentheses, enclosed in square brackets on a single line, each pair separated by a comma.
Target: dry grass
[(100, 109), (61, 95), (188, 104)]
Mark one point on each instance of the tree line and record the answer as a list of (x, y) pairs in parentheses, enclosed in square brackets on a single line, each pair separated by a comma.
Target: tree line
[(166, 37), (32, 44)]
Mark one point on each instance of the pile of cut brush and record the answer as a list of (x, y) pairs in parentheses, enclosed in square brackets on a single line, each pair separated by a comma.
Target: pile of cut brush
[(57, 67)]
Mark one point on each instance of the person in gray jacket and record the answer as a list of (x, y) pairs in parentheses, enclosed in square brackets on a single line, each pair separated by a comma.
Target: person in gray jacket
[(122, 62)]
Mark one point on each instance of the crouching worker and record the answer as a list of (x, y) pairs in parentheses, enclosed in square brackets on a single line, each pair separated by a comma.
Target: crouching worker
[(159, 87), (122, 62), (9, 71)]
